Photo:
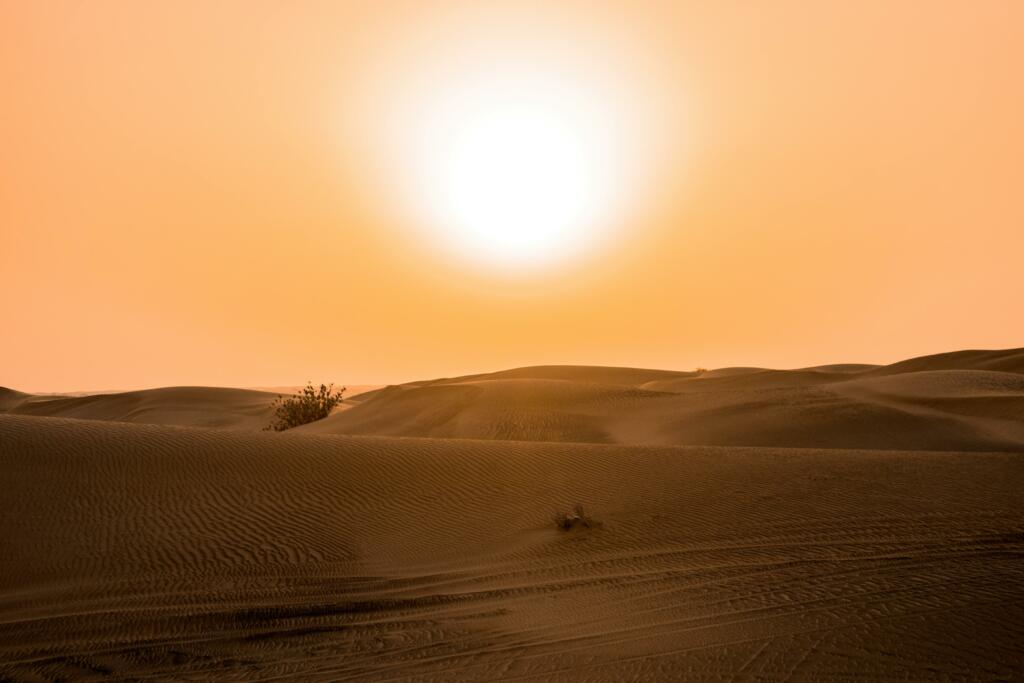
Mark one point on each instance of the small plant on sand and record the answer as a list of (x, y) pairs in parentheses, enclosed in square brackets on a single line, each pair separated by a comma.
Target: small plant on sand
[(567, 521), (309, 405), (700, 371)]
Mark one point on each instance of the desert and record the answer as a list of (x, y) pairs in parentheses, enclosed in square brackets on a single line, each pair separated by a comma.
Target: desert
[(549, 340), (409, 535)]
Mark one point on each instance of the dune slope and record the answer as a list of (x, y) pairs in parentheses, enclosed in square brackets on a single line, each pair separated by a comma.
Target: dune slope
[(1003, 360), (961, 401), (924, 404), (186, 406), (136, 551)]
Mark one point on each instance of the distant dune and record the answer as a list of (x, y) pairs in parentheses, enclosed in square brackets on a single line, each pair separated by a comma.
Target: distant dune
[(967, 400), (947, 402), (160, 534), (351, 390), (187, 406)]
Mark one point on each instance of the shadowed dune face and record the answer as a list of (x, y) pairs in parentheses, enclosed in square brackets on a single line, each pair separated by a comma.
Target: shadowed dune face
[(139, 551), (9, 398)]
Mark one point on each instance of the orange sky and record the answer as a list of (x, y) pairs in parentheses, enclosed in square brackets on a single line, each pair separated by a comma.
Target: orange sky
[(186, 199)]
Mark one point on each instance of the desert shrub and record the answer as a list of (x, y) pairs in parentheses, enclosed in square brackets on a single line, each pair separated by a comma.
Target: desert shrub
[(700, 371), (567, 521), (309, 405)]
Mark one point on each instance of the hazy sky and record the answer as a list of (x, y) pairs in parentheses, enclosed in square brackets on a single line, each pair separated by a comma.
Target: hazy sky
[(199, 193)]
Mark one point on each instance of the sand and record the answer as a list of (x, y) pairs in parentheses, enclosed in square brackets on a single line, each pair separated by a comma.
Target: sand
[(186, 406), (949, 402), (135, 550)]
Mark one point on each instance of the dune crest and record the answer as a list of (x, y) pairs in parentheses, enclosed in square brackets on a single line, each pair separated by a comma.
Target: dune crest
[(949, 402), (961, 401), (185, 406)]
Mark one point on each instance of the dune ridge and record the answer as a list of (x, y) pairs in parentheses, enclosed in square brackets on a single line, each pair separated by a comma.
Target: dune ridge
[(960, 401), (963, 401), (134, 550), (214, 407)]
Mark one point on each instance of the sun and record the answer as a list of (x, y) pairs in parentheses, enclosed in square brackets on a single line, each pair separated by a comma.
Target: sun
[(509, 149), (514, 172)]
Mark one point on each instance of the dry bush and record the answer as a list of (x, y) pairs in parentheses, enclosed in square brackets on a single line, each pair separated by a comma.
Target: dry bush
[(567, 521), (309, 405)]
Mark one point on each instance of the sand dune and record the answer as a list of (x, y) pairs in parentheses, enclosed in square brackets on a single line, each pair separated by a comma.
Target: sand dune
[(970, 400), (141, 551), (1008, 360), (921, 404), (845, 367), (587, 374), (351, 390), (187, 406), (10, 399)]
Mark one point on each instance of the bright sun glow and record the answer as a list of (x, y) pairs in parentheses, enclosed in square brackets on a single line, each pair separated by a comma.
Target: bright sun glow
[(512, 153), (515, 172)]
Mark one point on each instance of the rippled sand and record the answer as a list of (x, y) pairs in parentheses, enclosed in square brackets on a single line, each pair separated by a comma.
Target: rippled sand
[(135, 550)]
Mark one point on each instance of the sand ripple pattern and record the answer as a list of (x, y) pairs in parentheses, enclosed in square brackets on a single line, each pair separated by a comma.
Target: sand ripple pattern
[(141, 551)]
